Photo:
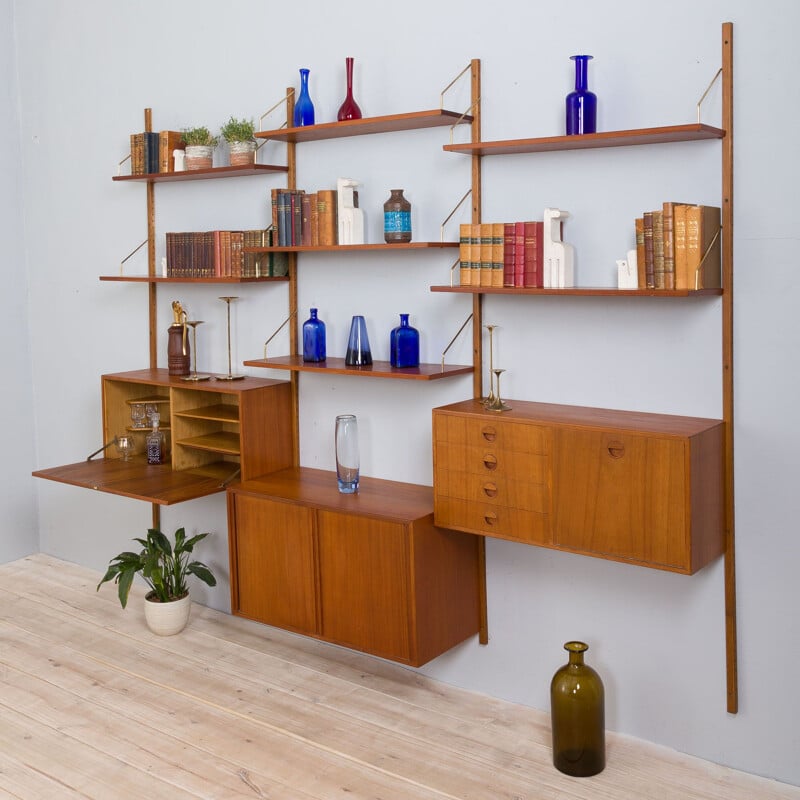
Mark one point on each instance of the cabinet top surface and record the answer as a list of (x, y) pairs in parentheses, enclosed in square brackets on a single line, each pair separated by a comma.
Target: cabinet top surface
[(584, 416), (378, 498), (161, 377)]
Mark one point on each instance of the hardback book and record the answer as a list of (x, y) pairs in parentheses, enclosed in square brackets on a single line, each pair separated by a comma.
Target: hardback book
[(475, 252), (647, 226), (532, 269), (137, 154), (498, 236), (509, 246), (519, 254), (464, 255), (167, 142), (703, 251), (328, 223), (150, 152), (485, 250), (273, 206), (313, 219), (305, 222), (679, 245), (668, 225), (284, 218), (641, 279), (658, 249)]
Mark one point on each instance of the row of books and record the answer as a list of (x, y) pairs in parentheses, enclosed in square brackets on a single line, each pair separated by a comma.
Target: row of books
[(151, 151), (678, 247), (305, 218), (498, 254), (220, 254)]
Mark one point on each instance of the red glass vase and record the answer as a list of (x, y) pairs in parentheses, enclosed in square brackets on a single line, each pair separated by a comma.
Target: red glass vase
[(349, 109)]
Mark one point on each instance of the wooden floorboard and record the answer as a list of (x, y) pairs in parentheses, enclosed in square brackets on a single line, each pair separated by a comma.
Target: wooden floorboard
[(93, 705)]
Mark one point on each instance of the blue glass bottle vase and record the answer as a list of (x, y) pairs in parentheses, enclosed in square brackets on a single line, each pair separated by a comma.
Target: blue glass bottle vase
[(581, 104), (303, 107), (404, 344), (358, 353), (314, 338)]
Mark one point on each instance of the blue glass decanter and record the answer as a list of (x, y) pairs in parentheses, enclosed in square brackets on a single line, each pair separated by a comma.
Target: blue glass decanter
[(359, 353), (581, 104), (314, 338), (404, 344), (303, 108)]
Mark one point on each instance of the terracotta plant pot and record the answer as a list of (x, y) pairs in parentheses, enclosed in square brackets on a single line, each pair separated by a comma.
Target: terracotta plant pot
[(199, 156), (167, 619), (243, 154)]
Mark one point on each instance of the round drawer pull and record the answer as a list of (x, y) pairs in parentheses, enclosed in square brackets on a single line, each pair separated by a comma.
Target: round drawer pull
[(490, 518), (490, 461), (489, 433), (616, 449), (490, 489)]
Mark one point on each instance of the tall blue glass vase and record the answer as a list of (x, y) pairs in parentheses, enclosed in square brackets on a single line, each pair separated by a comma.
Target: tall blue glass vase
[(358, 353), (581, 104), (404, 344), (303, 107), (314, 338)]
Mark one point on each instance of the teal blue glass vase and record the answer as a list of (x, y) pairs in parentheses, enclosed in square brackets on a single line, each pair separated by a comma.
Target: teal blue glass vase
[(303, 107), (404, 344)]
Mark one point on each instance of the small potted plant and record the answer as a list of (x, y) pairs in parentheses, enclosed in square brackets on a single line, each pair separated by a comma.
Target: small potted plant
[(238, 133), (165, 568), (200, 144)]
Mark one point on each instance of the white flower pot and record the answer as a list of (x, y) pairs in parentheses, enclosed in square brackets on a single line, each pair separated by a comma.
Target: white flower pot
[(243, 154), (166, 619), (199, 156)]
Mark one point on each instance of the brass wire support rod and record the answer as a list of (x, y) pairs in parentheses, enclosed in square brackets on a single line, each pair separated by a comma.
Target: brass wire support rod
[(120, 163), (458, 121), (234, 474), (101, 449), (452, 84), (132, 253), (277, 331), (453, 270), (450, 215), (285, 99), (705, 256), (452, 341), (705, 93)]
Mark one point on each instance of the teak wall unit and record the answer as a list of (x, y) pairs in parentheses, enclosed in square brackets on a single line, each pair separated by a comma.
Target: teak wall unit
[(571, 444)]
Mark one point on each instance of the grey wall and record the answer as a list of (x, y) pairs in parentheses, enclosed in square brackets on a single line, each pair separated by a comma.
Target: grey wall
[(19, 534), (87, 70)]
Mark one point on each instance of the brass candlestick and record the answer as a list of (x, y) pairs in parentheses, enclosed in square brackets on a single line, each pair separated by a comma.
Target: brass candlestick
[(497, 404), (490, 398), (230, 376), (193, 323)]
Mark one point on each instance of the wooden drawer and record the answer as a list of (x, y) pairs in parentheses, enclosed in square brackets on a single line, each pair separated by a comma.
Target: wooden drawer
[(493, 432), (529, 527), (525, 494), (491, 462)]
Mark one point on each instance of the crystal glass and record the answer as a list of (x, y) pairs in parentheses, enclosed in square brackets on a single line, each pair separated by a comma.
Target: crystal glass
[(125, 447), (358, 349), (150, 410), (314, 338), (347, 459), (349, 108), (404, 344), (138, 414), (303, 107), (581, 103), (577, 705)]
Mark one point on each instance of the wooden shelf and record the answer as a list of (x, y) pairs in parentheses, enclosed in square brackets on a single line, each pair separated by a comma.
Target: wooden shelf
[(672, 133), (336, 248), (155, 279), (204, 174), (390, 123), (218, 442), (217, 413), (378, 369), (581, 291)]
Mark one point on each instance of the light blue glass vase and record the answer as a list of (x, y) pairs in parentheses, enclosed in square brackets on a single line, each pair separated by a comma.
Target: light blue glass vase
[(303, 107)]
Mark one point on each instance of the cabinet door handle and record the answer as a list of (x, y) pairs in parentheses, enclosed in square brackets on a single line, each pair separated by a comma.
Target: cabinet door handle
[(616, 449), (490, 518), (490, 461), (490, 489), (489, 433)]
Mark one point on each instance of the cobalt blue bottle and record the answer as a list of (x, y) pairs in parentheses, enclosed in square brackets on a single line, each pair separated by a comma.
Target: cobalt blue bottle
[(303, 108), (404, 344), (314, 338), (581, 104)]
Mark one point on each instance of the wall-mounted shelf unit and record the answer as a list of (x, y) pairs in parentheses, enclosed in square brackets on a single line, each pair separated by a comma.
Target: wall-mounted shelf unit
[(580, 291), (203, 174)]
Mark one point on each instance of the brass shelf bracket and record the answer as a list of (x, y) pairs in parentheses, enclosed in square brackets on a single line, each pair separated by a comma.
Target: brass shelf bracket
[(452, 341), (277, 331)]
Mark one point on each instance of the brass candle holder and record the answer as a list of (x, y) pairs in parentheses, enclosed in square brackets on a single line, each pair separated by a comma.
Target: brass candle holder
[(497, 403), (230, 376), (193, 323), (490, 398)]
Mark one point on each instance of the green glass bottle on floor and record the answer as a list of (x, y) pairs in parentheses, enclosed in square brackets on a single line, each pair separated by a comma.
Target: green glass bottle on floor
[(577, 708)]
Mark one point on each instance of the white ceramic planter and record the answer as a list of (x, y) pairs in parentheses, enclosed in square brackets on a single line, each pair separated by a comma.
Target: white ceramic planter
[(167, 619), (243, 154), (199, 156)]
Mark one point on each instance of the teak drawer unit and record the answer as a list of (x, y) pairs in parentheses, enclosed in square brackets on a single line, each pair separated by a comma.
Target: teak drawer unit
[(369, 570), (641, 488)]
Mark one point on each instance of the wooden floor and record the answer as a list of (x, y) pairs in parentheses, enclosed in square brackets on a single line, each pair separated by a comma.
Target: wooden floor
[(94, 706)]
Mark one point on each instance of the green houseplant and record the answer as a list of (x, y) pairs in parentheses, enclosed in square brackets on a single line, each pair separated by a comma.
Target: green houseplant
[(238, 133), (165, 568), (200, 144)]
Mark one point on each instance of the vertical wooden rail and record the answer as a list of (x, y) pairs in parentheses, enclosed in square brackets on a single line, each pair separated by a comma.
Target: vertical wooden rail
[(731, 648), (152, 297), (291, 183), (477, 327)]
